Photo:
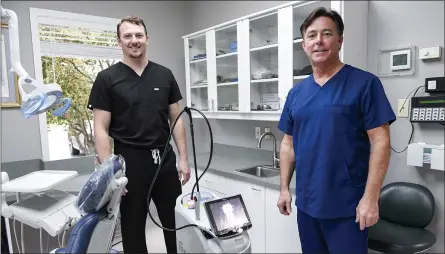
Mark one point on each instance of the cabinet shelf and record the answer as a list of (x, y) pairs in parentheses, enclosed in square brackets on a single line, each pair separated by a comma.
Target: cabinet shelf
[(301, 77), (264, 80), (228, 84), (198, 60), (266, 112), (264, 47), (227, 55), (244, 69), (199, 86), (296, 41)]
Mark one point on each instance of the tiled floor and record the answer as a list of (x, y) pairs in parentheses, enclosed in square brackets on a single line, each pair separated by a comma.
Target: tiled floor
[(153, 235)]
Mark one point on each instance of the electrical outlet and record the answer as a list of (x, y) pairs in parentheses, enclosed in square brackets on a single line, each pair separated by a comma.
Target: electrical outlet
[(257, 132), (267, 129), (403, 108)]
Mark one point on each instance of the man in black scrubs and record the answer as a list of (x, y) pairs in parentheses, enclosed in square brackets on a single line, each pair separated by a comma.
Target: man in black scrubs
[(135, 102)]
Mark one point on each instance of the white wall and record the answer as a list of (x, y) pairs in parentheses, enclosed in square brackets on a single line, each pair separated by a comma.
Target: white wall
[(401, 24)]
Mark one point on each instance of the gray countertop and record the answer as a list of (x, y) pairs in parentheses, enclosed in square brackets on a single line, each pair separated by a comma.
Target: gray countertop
[(225, 165), (225, 160)]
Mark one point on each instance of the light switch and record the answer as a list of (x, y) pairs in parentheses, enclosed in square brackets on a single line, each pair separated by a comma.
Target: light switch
[(430, 53), (403, 108)]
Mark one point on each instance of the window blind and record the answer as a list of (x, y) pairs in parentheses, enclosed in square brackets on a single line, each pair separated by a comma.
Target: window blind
[(78, 38)]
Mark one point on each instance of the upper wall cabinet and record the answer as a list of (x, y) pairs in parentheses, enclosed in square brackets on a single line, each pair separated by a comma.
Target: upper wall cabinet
[(244, 68)]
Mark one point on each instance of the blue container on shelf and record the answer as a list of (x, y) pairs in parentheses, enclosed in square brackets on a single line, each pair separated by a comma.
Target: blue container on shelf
[(234, 46)]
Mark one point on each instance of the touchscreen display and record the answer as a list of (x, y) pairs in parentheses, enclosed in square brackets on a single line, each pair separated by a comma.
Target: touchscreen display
[(228, 213)]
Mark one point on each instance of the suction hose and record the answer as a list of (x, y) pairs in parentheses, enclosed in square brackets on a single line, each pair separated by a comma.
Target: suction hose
[(166, 151)]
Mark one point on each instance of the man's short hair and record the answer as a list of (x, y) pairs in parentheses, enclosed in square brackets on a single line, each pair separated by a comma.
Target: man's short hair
[(134, 20), (323, 12)]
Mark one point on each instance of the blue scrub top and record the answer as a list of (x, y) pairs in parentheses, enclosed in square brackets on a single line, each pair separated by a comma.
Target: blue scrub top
[(328, 124)]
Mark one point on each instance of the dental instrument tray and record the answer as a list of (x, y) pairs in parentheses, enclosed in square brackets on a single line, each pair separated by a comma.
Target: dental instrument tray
[(51, 211), (46, 207), (38, 181)]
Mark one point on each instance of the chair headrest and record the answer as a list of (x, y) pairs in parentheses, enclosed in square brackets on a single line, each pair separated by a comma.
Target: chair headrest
[(98, 190), (407, 204)]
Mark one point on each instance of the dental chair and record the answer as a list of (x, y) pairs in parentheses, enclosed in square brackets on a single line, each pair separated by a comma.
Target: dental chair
[(405, 211), (98, 202), (91, 216)]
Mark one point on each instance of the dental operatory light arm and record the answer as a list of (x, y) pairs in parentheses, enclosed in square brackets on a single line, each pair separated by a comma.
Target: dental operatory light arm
[(14, 42), (36, 98)]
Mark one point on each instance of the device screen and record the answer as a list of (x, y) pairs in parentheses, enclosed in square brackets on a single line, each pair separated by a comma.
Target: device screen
[(433, 101), (228, 214), (400, 60)]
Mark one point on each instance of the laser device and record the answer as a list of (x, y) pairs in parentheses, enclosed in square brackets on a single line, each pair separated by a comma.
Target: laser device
[(224, 224)]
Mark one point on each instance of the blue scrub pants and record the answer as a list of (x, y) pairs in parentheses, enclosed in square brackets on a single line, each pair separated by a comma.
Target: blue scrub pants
[(342, 236)]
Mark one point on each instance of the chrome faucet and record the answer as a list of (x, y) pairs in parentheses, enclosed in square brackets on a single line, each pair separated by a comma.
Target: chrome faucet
[(276, 160)]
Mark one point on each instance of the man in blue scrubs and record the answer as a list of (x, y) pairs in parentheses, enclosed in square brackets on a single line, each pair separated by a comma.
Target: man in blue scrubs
[(336, 125)]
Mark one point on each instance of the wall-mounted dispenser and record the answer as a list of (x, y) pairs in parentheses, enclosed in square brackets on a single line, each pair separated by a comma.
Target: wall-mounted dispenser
[(422, 153)]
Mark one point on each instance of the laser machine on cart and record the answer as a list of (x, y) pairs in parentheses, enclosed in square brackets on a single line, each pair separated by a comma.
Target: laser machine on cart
[(207, 223)]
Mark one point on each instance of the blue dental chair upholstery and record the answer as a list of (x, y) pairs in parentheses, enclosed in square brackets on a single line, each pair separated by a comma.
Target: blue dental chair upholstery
[(81, 235), (98, 203), (405, 210)]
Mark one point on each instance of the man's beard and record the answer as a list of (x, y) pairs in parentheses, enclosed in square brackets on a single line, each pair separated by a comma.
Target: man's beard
[(136, 55)]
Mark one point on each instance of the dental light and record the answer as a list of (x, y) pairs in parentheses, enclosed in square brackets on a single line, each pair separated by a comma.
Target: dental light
[(36, 98)]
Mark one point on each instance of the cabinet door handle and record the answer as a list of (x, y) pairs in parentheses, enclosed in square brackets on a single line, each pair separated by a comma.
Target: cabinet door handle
[(255, 189), (213, 106)]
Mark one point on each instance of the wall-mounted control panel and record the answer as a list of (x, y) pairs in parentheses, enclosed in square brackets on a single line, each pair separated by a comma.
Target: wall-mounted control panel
[(428, 109)]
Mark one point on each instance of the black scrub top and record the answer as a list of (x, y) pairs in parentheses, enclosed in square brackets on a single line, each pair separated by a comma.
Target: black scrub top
[(139, 105)]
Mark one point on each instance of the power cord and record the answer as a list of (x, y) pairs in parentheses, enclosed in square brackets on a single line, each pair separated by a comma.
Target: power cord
[(412, 125), (166, 151), (116, 243)]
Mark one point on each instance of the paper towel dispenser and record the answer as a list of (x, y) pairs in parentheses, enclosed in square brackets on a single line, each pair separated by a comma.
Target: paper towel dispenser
[(422, 153)]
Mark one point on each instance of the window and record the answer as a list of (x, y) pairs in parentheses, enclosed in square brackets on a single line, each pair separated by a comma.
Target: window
[(70, 49)]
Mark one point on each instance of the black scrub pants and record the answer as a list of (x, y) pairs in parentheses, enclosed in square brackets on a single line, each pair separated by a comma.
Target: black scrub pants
[(140, 170)]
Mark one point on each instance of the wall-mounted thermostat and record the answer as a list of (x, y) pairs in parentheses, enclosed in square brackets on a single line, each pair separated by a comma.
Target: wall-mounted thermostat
[(400, 60)]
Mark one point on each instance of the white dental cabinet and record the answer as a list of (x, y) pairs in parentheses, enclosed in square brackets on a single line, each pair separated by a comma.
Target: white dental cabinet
[(244, 68), (271, 232)]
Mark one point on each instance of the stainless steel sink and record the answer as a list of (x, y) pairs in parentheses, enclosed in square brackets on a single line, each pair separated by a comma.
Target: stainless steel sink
[(262, 171)]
